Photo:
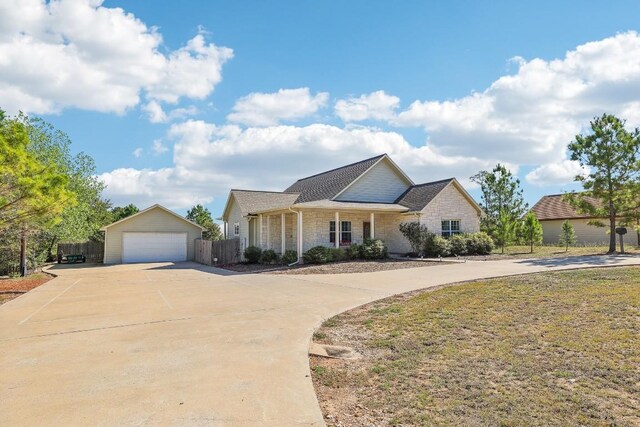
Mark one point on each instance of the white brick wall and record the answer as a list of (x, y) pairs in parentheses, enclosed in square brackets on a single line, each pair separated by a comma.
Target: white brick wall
[(450, 204)]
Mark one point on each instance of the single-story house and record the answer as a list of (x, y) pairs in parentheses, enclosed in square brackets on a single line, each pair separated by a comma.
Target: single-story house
[(553, 210), (155, 234), (367, 199)]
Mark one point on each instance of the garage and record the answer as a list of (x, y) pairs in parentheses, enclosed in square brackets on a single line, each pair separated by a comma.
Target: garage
[(155, 234), (153, 247)]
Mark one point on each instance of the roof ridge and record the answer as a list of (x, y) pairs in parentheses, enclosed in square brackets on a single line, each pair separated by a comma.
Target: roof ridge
[(342, 167), (264, 191), (432, 182)]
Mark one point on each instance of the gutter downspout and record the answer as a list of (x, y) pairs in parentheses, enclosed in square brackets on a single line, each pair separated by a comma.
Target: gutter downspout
[(297, 222)]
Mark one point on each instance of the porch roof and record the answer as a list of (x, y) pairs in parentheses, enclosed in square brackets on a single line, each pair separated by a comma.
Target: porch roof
[(346, 206)]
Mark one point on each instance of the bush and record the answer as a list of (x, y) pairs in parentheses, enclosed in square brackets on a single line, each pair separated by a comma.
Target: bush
[(437, 246), (417, 234), (479, 244), (337, 254), (459, 244), (374, 249), (317, 255), (252, 254), (290, 256), (269, 256), (354, 251)]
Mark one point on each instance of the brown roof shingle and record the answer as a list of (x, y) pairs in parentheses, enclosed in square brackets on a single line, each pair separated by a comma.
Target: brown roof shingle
[(554, 207), (258, 201), (418, 196)]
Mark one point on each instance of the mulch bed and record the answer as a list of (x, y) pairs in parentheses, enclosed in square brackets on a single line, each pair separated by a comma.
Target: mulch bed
[(12, 288), (331, 268)]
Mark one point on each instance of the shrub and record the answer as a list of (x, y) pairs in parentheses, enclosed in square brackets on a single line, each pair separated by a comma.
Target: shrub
[(479, 244), (458, 244), (437, 246), (417, 234), (317, 255), (374, 249), (337, 254), (289, 256), (252, 254), (354, 251), (269, 256)]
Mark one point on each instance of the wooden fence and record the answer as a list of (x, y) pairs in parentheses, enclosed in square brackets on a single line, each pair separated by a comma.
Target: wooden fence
[(93, 251), (218, 252)]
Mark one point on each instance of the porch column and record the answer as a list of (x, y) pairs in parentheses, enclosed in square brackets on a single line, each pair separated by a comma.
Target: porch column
[(300, 240), (260, 231), (268, 231), (283, 235), (224, 230), (372, 221), (338, 232)]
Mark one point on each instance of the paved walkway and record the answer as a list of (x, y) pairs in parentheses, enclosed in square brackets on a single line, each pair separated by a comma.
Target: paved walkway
[(162, 344)]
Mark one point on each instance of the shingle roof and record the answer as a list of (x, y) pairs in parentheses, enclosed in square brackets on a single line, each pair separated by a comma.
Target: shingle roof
[(258, 201), (418, 196), (554, 207), (369, 206), (328, 184)]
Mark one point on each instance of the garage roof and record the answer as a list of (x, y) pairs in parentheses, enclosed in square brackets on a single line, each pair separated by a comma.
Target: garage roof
[(156, 206)]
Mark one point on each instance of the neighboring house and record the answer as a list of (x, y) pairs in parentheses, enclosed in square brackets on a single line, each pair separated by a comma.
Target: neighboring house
[(552, 211), (153, 235), (367, 199)]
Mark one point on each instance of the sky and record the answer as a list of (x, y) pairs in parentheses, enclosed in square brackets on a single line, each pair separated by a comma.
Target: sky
[(178, 102)]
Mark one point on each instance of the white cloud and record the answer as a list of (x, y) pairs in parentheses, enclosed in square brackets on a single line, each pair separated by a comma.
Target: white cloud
[(210, 159), (269, 109), (77, 53), (156, 114), (137, 153), (374, 106), (159, 147), (559, 173)]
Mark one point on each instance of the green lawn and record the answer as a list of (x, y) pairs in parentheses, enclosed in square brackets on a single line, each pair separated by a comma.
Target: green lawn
[(557, 349)]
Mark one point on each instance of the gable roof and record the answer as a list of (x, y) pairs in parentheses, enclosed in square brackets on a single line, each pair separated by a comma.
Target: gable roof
[(327, 185), (156, 206), (251, 201), (418, 196), (554, 207)]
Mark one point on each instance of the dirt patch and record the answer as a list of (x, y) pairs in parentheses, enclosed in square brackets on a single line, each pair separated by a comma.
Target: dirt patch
[(541, 349), (334, 267), (11, 288)]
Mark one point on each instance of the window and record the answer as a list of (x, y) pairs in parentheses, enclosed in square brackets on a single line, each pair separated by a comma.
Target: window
[(236, 228), (450, 227), (345, 229)]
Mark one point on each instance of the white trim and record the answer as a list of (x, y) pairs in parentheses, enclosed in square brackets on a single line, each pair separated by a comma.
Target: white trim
[(337, 234), (283, 235), (147, 210), (372, 226), (260, 231), (393, 164)]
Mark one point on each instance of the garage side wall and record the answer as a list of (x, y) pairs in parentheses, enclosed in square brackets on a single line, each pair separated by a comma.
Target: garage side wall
[(155, 220), (585, 234)]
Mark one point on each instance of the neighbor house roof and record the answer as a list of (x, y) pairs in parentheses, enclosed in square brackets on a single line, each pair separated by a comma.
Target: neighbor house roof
[(156, 206), (418, 196), (260, 201), (554, 207), (327, 185)]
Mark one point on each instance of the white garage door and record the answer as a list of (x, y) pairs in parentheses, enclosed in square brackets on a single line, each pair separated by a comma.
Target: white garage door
[(154, 247)]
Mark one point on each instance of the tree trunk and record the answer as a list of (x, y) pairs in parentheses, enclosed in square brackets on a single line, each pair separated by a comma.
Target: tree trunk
[(612, 234), (23, 254)]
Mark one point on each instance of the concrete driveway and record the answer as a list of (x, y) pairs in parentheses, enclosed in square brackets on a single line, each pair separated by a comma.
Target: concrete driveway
[(163, 344)]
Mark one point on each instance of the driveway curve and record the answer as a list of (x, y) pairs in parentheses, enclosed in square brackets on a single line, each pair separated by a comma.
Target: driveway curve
[(185, 344)]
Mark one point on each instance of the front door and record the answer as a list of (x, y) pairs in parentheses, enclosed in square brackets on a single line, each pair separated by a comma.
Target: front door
[(366, 230)]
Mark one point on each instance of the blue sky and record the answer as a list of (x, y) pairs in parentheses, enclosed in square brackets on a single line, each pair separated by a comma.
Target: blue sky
[(179, 101)]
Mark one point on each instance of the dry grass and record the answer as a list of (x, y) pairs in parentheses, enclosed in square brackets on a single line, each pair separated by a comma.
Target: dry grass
[(557, 349), (554, 251), (11, 288)]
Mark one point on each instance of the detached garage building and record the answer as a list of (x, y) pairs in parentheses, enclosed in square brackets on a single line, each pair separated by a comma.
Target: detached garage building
[(155, 234)]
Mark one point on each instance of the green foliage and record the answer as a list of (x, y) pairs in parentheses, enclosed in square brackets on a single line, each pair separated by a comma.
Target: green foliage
[(458, 244), (289, 257), (417, 234), (530, 230), (437, 246), (269, 256), (612, 154), (354, 251), (567, 235), (118, 213), (252, 254), (201, 216), (317, 255), (338, 254), (502, 203), (479, 243), (374, 249)]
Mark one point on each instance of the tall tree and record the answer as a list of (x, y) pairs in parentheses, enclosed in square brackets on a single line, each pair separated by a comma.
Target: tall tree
[(201, 216), (119, 213), (531, 230), (502, 203), (611, 152)]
